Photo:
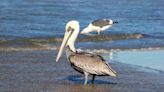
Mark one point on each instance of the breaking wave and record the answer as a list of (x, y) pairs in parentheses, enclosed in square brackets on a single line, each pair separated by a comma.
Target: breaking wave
[(53, 43)]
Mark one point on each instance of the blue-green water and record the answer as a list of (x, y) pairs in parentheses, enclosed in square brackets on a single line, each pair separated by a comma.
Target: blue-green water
[(150, 59)]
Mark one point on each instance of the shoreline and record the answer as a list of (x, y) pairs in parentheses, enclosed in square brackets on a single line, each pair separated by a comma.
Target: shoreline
[(56, 47)]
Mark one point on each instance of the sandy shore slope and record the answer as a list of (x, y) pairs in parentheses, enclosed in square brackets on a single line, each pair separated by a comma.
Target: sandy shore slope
[(37, 71)]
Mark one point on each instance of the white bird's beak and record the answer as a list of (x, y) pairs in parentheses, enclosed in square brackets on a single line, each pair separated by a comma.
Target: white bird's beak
[(65, 40), (115, 22)]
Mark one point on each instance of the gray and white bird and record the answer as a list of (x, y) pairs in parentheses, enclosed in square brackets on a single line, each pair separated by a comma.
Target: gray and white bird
[(98, 25), (83, 62)]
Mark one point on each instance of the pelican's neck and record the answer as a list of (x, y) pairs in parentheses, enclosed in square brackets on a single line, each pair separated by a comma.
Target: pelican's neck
[(72, 39), (72, 47)]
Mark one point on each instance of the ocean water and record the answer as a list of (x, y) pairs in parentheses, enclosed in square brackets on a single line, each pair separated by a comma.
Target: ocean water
[(47, 18)]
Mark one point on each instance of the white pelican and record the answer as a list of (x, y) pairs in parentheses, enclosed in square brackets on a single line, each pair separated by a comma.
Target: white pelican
[(86, 63), (98, 25)]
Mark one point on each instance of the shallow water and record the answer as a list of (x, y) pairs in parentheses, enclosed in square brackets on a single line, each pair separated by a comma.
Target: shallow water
[(37, 71), (151, 59)]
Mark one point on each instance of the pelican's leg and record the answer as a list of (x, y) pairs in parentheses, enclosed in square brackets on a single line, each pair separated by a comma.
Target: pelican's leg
[(86, 77), (93, 79)]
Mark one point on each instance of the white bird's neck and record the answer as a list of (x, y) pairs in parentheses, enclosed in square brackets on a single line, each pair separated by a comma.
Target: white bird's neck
[(87, 29), (72, 39)]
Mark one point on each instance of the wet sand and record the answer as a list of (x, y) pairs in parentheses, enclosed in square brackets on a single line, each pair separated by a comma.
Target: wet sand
[(37, 71)]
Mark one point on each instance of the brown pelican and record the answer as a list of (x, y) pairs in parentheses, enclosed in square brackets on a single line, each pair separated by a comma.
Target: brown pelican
[(86, 63), (98, 25)]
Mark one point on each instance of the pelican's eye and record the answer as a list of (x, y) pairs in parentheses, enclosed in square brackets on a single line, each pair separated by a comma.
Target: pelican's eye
[(70, 29)]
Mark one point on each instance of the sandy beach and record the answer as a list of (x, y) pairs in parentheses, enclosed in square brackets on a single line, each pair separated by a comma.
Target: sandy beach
[(37, 71)]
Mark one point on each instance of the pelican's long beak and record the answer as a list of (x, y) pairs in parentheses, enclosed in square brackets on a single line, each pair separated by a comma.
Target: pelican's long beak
[(65, 40)]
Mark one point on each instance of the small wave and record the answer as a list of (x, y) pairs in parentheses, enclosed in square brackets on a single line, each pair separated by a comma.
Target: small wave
[(82, 38), (26, 49), (158, 35), (117, 50), (111, 37), (56, 47), (54, 42)]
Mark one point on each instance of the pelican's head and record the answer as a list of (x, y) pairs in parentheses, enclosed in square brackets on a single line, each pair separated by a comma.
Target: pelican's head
[(72, 30), (73, 24)]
